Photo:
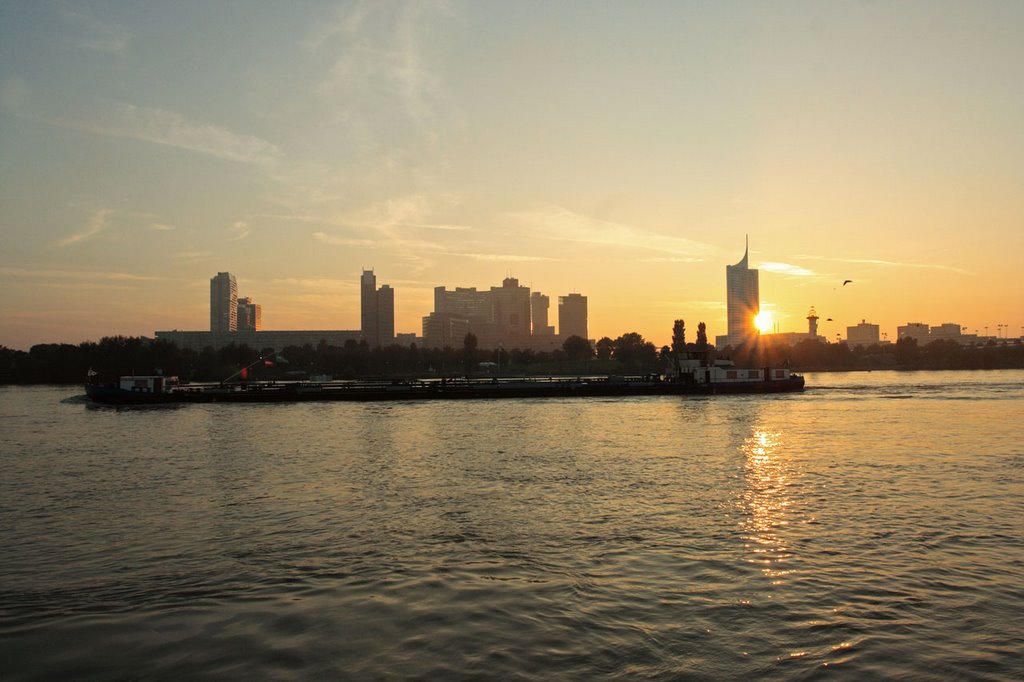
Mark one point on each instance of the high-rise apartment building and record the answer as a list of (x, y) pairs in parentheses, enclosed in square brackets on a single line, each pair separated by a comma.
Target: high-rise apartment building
[(368, 307), (223, 303), (463, 310), (742, 300), (509, 317), (376, 311), (250, 315), (572, 316), (511, 312), (539, 306), (385, 315)]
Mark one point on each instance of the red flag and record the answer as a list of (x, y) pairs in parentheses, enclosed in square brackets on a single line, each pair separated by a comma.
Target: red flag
[(245, 372), (268, 363)]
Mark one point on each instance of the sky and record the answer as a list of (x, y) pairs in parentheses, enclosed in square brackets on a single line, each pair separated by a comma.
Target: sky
[(620, 150)]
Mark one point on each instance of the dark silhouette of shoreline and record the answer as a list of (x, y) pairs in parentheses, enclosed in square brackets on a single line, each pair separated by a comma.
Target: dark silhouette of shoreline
[(630, 353)]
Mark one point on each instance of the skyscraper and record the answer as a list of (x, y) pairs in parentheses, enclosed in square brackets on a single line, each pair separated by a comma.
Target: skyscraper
[(223, 303), (385, 315), (511, 311), (368, 307), (572, 316), (539, 306), (250, 315), (743, 301), (377, 311)]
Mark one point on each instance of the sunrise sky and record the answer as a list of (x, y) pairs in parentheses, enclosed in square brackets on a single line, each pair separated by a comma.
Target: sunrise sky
[(617, 149)]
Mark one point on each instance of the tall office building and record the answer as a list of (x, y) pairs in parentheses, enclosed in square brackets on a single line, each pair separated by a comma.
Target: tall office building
[(385, 315), (250, 316), (572, 316), (743, 301), (461, 311), (511, 312), (368, 307), (223, 303), (376, 311), (539, 306)]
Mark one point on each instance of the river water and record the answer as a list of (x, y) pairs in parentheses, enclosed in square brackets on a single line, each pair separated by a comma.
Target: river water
[(872, 526)]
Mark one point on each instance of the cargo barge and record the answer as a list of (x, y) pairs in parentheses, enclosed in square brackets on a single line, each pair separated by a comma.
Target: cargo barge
[(149, 390)]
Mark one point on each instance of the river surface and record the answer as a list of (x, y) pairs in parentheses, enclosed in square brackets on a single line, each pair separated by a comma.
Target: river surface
[(872, 526)]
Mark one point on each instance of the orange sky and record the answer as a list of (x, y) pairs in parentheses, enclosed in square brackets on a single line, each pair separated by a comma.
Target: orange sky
[(615, 150)]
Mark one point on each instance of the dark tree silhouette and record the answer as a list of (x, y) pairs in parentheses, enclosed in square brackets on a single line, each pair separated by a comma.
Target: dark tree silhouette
[(702, 344), (577, 348), (678, 343), (469, 345), (605, 348), (633, 352)]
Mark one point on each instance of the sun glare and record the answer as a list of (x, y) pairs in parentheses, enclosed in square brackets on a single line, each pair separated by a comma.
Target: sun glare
[(763, 321)]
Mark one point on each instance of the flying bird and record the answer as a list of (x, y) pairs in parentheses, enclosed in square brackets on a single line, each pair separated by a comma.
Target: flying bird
[(847, 281), (829, 319)]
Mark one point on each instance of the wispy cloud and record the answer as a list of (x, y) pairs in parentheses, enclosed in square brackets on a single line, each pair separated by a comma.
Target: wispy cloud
[(503, 258), (395, 224), (161, 227), (887, 263), (318, 284), (147, 124), (786, 269), (240, 230), (336, 240), (95, 35), (192, 255), (379, 61), (34, 273), (97, 223), (672, 259), (561, 224)]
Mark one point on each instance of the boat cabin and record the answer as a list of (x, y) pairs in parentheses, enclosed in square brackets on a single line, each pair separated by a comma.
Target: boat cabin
[(147, 384)]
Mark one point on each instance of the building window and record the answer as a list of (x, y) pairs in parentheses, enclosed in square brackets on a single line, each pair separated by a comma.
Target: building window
[(730, 374)]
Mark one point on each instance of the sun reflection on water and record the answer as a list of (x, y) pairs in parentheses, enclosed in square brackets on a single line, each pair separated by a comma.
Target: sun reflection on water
[(765, 503)]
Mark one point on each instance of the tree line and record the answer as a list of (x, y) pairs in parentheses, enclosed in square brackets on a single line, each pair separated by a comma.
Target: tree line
[(630, 353)]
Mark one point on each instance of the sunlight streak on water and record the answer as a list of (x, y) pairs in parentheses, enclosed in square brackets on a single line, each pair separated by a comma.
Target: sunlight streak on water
[(765, 503)]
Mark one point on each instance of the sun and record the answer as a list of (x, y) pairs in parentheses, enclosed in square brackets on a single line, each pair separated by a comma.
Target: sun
[(763, 321)]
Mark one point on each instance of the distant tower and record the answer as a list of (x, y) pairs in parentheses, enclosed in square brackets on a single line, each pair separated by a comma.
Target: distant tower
[(511, 311), (250, 315), (223, 303), (742, 300), (539, 305), (376, 311), (812, 323), (385, 315), (572, 316), (368, 308)]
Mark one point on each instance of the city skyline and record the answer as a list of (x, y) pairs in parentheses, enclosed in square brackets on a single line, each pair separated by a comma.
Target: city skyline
[(611, 150)]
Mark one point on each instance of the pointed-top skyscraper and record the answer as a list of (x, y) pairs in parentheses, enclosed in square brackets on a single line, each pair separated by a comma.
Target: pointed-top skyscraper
[(743, 300)]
